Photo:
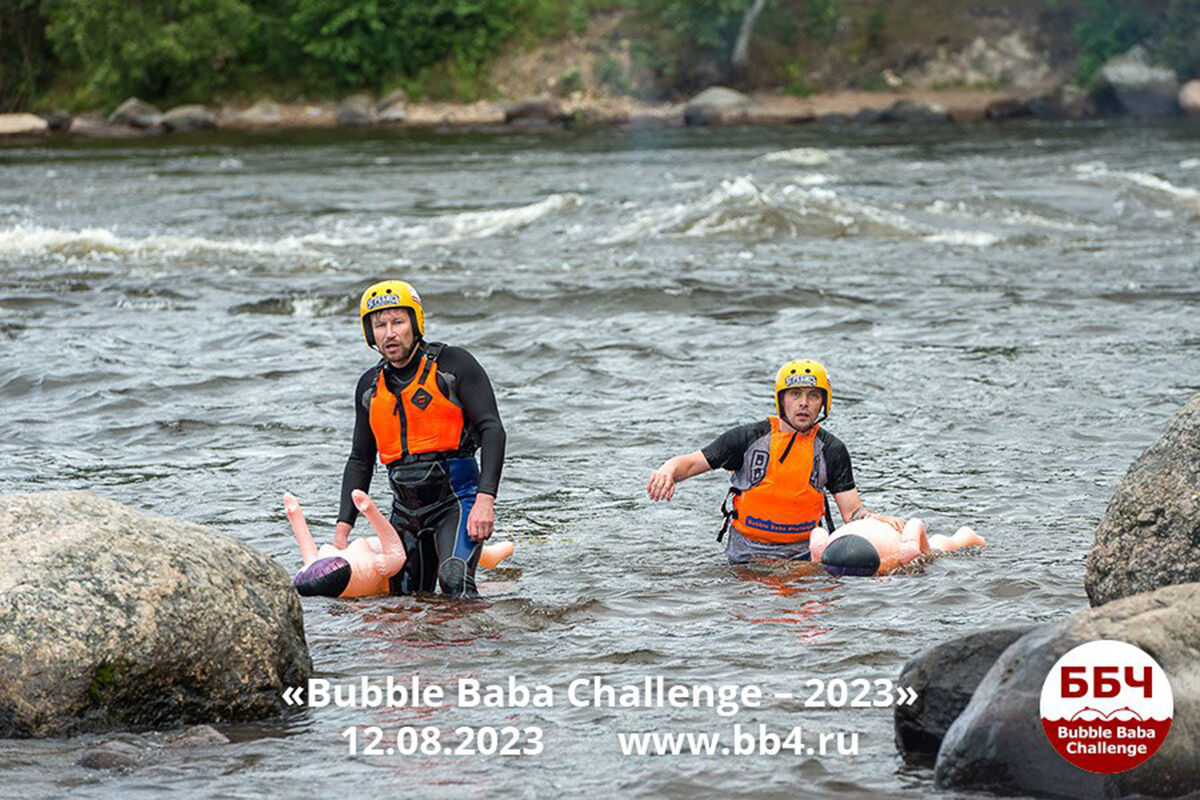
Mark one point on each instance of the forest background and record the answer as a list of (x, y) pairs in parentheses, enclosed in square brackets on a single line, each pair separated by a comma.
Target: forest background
[(76, 54)]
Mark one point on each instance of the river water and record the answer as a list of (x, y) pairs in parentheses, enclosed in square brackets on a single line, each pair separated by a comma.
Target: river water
[(1008, 315)]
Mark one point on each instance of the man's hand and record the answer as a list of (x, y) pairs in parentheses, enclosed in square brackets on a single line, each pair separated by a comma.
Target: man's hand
[(895, 522), (341, 535), (662, 484), (482, 519)]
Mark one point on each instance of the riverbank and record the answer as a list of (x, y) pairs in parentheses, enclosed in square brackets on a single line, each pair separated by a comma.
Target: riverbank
[(136, 119)]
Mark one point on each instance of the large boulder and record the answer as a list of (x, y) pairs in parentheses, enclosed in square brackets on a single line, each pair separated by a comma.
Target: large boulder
[(137, 113), (393, 108), (23, 125), (263, 114), (1150, 535), (944, 678), (111, 618), (1142, 88), (1189, 98), (998, 742), (356, 111), (715, 105), (182, 119)]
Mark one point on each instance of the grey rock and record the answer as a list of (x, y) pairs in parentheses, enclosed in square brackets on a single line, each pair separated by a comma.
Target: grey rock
[(867, 116), (1189, 98), (263, 113), (1142, 88), (393, 108), (1065, 102), (356, 111), (112, 755), (57, 120), (998, 744), (182, 119), (1007, 108), (137, 113), (98, 129), (1150, 534), (22, 125), (715, 105), (197, 736), (944, 678), (112, 618), (537, 110), (914, 111)]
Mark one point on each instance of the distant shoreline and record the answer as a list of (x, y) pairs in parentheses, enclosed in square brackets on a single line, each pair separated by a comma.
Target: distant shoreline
[(541, 114)]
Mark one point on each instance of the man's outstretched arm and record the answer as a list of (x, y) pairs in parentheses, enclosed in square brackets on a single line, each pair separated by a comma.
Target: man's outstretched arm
[(661, 485)]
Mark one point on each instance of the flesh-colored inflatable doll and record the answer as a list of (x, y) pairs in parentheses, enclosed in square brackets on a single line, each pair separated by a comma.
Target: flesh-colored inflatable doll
[(871, 547), (365, 567)]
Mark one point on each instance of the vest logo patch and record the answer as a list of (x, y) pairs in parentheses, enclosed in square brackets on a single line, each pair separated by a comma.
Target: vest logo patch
[(421, 399), (800, 380), (758, 466)]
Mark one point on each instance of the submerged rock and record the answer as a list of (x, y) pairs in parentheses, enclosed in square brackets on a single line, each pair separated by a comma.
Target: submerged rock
[(944, 678), (998, 743), (114, 618), (1150, 534)]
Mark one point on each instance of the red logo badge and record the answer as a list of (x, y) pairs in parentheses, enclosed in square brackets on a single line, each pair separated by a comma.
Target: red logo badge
[(1106, 706)]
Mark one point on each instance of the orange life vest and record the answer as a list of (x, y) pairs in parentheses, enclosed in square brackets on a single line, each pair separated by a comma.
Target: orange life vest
[(784, 506), (422, 420)]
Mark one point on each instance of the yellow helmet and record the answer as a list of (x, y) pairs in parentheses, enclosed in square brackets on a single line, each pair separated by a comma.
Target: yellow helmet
[(800, 373), (390, 294)]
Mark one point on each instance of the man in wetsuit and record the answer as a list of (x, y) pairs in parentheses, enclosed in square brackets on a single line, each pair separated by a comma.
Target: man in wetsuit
[(782, 466), (425, 409)]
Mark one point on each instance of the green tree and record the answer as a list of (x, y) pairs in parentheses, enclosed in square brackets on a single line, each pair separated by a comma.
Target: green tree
[(170, 49)]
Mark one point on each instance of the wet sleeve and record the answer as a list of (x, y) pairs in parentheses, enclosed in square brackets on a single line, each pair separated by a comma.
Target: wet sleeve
[(360, 465), (474, 390), (728, 450), (839, 474)]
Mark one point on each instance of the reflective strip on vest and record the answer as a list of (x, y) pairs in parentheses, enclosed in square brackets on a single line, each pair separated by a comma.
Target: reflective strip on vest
[(424, 421), (784, 507)]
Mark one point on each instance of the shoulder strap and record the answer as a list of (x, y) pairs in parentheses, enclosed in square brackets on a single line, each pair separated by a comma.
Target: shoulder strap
[(728, 511), (432, 351)]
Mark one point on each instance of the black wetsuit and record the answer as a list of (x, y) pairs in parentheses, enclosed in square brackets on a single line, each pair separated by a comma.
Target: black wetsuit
[(433, 493)]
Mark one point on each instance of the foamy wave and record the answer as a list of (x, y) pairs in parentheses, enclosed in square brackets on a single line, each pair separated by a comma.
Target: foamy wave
[(482, 224), (1183, 194), (1014, 217), (971, 238), (32, 240), (800, 156), (740, 208), (1190, 163)]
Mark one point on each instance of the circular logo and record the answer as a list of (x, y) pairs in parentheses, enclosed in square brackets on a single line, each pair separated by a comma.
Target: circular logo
[(1106, 706)]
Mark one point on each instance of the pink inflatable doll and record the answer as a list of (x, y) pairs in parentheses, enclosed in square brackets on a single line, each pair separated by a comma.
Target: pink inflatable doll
[(365, 567), (871, 547)]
